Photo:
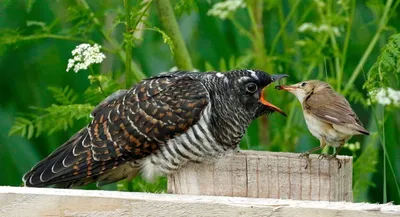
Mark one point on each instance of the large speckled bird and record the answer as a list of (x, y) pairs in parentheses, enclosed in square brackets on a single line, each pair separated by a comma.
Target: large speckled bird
[(157, 127)]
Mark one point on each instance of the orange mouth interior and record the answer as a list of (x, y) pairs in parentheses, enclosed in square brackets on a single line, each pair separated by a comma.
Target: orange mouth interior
[(273, 107)]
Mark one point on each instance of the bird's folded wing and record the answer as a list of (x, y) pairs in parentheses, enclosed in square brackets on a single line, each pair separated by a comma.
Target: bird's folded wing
[(331, 107), (125, 127), (147, 116)]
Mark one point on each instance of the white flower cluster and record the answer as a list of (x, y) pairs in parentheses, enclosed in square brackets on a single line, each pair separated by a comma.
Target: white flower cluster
[(386, 96), (85, 55), (322, 28), (223, 9)]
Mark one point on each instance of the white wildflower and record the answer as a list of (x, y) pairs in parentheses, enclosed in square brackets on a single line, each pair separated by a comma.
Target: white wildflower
[(223, 9), (322, 28), (307, 27), (85, 55), (328, 28), (385, 96)]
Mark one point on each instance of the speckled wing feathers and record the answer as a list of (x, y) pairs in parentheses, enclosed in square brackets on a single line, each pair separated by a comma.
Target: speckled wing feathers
[(126, 127)]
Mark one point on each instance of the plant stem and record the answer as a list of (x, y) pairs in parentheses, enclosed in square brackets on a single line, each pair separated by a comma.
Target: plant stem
[(128, 45), (255, 14), (384, 157), (381, 27), (138, 75), (339, 72), (255, 9), (171, 28), (310, 68), (143, 12), (382, 139), (282, 29), (53, 36), (348, 33), (241, 29)]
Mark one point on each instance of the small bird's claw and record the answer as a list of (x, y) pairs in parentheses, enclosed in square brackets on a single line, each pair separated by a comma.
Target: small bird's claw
[(330, 157), (307, 156), (324, 156), (304, 155)]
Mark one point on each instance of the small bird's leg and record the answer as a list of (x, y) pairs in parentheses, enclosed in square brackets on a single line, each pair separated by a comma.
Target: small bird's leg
[(333, 156), (322, 143), (338, 150), (322, 155)]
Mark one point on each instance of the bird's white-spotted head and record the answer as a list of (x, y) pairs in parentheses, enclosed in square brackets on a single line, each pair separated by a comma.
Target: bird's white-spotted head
[(247, 86), (303, 89)]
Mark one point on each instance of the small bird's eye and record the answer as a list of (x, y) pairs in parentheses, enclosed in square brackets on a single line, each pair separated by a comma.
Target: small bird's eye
[(251, 87), (303, 84)]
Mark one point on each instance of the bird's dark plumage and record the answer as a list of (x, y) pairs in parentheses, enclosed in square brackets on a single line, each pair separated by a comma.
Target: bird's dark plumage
[(157, 127)]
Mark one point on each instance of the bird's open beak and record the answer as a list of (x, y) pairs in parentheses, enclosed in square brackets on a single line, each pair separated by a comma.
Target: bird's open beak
[(265, 102)]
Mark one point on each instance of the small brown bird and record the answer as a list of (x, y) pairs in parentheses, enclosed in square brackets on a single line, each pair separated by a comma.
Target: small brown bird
[(328, 115)]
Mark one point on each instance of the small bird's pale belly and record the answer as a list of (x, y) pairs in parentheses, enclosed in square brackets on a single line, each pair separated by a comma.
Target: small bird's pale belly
[(321, 129)]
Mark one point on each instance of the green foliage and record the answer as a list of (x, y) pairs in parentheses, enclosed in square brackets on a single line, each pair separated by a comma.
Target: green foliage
[(64, 96), (385, 71), (232, 63), (363, 167), (101, 87), (51, 119), (165, 37), (185, 7), (157, 186)]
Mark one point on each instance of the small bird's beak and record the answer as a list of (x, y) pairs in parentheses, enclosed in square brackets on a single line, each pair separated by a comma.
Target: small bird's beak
[(265, 102), (290, 88)]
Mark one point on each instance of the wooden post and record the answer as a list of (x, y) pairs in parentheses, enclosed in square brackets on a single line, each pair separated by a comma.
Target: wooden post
[(32, 202), (267, 175)]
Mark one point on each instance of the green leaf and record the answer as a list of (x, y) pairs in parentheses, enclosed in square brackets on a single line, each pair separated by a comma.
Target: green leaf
[(209, 67), (64, 96), (165, 37), (20, 127), (101, 87), (51, 119), (185, 6), (387, 66), (29, 5)]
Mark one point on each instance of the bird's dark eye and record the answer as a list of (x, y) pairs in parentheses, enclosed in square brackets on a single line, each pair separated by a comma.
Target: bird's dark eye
[(251, 87), (303, 84)]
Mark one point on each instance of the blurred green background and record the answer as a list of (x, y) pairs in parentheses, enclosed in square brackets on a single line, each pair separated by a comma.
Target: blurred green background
[(342, 42)]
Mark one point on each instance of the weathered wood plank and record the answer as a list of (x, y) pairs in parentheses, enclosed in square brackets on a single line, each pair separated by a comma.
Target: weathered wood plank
[(268, 175), (32, 202)]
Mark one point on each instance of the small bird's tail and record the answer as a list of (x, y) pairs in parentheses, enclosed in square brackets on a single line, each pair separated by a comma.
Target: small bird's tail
[(359, 128), (72, 164)]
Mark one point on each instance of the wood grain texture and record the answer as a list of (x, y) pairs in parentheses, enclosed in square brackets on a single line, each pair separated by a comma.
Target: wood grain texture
[(267, 175), (35, 202)]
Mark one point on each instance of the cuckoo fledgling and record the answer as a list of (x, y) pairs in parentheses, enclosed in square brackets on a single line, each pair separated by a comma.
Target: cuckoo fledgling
[(157, 127), (328, 115)]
